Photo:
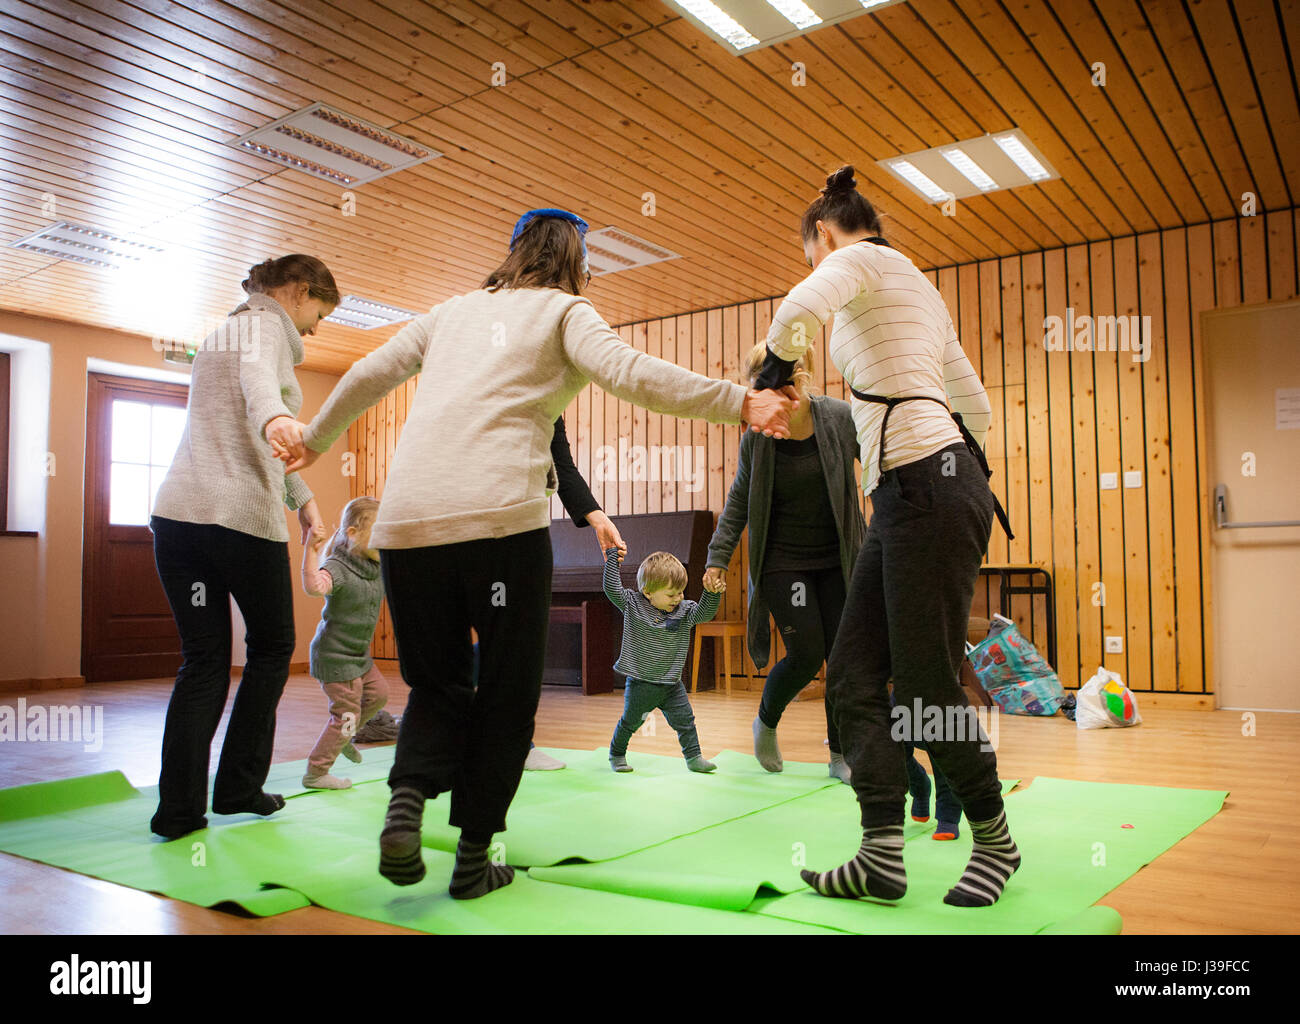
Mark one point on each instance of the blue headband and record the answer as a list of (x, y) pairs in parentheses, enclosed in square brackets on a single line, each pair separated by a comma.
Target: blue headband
[(532, 215)]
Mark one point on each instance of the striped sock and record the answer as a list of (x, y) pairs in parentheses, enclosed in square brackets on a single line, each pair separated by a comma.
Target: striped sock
[(399, 843), (876, 871), (474, 876), (993, 860)]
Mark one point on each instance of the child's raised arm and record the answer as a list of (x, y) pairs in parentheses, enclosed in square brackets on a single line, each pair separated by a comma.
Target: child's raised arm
[(611, 580), (707, 607), (316, 581)]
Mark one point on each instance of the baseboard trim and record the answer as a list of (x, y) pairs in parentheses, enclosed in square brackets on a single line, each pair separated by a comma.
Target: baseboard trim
[(1178, 701), (57, 683)]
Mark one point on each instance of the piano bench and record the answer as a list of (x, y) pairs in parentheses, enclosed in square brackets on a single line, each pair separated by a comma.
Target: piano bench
[(723, 631)]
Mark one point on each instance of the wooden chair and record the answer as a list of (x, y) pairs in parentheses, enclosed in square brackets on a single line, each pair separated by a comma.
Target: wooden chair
[(723, 631)]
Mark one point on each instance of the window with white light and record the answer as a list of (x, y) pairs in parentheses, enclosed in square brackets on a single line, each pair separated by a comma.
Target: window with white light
[(144, 439)]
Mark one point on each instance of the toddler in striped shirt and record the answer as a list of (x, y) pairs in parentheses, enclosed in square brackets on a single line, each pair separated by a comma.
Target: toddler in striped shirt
[(656, 637)]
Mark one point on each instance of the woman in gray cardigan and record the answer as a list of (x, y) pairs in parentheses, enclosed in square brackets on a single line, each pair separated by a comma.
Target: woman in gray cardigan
[(799, 499)]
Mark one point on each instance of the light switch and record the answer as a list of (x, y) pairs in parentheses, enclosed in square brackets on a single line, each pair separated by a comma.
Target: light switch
[(1110, 481), (1133, 478)]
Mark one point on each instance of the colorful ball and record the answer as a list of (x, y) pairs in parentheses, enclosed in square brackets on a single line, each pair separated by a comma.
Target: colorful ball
[(1119, 703)]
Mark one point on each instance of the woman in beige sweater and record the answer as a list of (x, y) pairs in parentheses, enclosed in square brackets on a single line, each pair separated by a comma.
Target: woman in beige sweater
[(463, 526)]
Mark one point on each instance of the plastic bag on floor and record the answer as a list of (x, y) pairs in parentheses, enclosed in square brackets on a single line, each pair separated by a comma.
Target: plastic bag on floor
[(1106, 703), (1013, 673)]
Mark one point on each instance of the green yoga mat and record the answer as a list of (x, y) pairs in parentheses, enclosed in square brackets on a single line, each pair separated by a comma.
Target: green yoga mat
[(1078, 841), (728, 865), (98, 825), (707, 844), (587, 812), (525, 906)]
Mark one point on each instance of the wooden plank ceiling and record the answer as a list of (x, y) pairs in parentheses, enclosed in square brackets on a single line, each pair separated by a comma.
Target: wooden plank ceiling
[(119, 110)]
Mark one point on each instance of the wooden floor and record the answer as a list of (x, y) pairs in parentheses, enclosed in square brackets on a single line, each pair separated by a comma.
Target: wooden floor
[(1234, 875)]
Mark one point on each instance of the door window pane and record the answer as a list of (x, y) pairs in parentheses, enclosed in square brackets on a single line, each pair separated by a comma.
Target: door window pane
[(168, 425), (128, 503), (144, 440), (131, 432)]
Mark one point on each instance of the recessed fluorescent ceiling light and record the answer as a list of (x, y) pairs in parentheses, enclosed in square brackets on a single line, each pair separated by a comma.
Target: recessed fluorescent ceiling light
[(354, 311), (969, 169), (90, 246), (1025, 160), (330, 144), (973, 167), (744, 25), (797, 13), (917, 180), (719, 22), (610, 250)]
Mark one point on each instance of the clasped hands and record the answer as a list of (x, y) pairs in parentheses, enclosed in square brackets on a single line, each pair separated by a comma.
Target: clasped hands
[(284, 434), (769, 410)]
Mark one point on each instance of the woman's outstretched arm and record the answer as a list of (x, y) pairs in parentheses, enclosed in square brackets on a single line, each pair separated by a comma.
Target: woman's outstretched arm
[(593, 347), (368, 380)]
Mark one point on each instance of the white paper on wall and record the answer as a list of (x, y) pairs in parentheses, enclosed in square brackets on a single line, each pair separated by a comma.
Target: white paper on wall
[(1287, 402)]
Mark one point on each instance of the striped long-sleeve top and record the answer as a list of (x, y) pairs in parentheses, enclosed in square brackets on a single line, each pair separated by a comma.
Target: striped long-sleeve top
[(654, 642), (892, 336)]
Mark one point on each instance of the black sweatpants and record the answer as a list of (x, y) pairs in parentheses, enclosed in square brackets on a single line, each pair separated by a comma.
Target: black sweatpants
[(454, 737), (905, 618), (201, 567), (807, 607)]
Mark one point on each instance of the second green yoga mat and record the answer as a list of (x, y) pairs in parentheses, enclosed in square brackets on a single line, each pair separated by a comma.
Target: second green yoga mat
[(1078, 841), (729, 864)]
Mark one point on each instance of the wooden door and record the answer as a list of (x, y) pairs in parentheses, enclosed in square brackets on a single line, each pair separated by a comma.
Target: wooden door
[(1252, 387), (127, 629)]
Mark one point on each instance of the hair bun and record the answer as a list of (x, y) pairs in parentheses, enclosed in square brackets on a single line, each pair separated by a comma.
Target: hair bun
[(258, 276), (841, 181)]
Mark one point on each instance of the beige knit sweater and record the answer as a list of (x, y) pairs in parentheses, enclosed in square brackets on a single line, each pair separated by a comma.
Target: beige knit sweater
[(499, 366), (224, 471)]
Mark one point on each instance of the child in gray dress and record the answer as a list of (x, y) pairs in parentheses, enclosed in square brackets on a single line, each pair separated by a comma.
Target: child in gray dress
[(340, 651)]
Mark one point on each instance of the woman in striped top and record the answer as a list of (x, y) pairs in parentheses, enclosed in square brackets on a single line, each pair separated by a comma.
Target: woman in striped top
[(909, 599)]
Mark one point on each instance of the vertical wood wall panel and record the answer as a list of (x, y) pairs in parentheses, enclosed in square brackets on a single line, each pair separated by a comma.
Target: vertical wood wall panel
[(1060, 419)]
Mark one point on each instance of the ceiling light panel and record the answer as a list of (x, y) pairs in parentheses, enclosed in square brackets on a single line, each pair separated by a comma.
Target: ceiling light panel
[(972, 167), (367, 314), (611, 249), (743, 25), (334, 145), (92, 247)]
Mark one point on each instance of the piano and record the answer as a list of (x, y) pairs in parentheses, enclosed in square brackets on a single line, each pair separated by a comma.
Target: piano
[(586, 630)]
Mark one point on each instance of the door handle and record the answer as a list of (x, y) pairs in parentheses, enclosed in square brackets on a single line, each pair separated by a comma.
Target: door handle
[(1221, 514)]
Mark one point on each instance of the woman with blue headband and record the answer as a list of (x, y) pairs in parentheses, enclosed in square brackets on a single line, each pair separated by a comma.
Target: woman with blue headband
[(463, 527)]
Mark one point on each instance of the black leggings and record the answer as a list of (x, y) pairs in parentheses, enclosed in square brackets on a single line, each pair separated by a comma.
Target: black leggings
[(905, 618), (454, 737), (807, 608), (201, 568)]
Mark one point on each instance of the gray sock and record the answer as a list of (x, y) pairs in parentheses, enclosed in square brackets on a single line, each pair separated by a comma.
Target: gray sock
[(619, 763), (765, 748), (839, 769), (698, 764)]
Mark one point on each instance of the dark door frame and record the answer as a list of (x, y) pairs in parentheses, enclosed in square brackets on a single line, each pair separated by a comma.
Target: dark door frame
[(101, 389)]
